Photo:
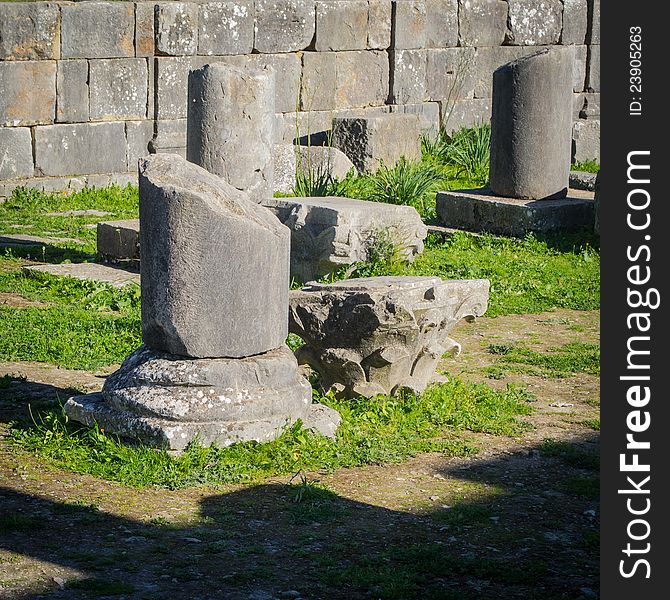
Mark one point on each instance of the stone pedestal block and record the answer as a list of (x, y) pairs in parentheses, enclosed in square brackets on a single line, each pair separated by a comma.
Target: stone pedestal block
[(531, 126), (328, 233), (168, 401), (379, 335), (230, 125), (482, 211), (214, 265), (371, 141)]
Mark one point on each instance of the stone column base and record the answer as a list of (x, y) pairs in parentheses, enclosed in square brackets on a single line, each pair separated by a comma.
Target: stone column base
[(168, 401)]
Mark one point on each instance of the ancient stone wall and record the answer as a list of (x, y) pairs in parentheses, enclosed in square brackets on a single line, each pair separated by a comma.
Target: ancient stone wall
[(86, 88)]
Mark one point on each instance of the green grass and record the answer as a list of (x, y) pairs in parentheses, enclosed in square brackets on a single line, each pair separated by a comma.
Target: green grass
[(376, 431), (589, 166), (527, 276), (558, 362), (83, 325), (26, 212)]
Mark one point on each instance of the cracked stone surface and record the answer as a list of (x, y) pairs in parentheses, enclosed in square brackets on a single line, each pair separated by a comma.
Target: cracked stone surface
[(378, 335)]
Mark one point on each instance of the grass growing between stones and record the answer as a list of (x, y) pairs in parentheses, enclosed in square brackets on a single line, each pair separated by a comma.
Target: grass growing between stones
[(86, 325), (527, 276), (376, 431), (29, 212)]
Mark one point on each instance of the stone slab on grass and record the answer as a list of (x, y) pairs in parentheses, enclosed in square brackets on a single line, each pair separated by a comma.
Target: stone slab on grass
[(479, 210), (119, 240), (89, 272), (329, 232)]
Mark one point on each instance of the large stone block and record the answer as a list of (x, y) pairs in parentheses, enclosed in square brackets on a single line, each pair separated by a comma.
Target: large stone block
[(319, 81), (214, 266), (145, 36), (408, 30), (381, 335), (534, 24), (27, 92), (341, 25), (283, 25), (287, 68), (370, 141), (171, 401), (72, 93), (593, 70), (79, 149), (229, 107), (332, 80), (119, 241), (441, 23), (98, 30), (408, 76), (172, 85), (29, 31), (379, 24), (450, 74), (481, 211), (16, 152), (471, 112), (226, 27), (362, 79), (532, 103), (575, 22), (331, 232), (579, 68), (586, 140), (118, 89), (593, 33), (482, 22), (176, 28)]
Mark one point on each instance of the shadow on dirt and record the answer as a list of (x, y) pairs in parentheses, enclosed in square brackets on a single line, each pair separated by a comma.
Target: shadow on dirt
[(532, 535)]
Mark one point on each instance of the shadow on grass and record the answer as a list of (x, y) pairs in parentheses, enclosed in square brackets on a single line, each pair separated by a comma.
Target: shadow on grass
[(46, 253), (531, 533)]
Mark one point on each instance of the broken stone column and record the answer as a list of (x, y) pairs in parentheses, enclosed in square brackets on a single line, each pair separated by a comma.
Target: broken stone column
[(214, 365), (531, 125), (378, 335), (230, 125)]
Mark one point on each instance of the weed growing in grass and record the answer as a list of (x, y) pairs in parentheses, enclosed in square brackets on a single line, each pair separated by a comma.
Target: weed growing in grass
[(376, 431), (468, 150), (408, 183)]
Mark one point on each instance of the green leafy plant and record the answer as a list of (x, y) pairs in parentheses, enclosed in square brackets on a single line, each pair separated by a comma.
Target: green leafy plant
[(409, 183), (469, 150)]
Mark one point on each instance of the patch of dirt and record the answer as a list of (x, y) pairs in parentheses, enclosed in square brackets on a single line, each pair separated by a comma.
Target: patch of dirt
[(17, 301), (515, 521)]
